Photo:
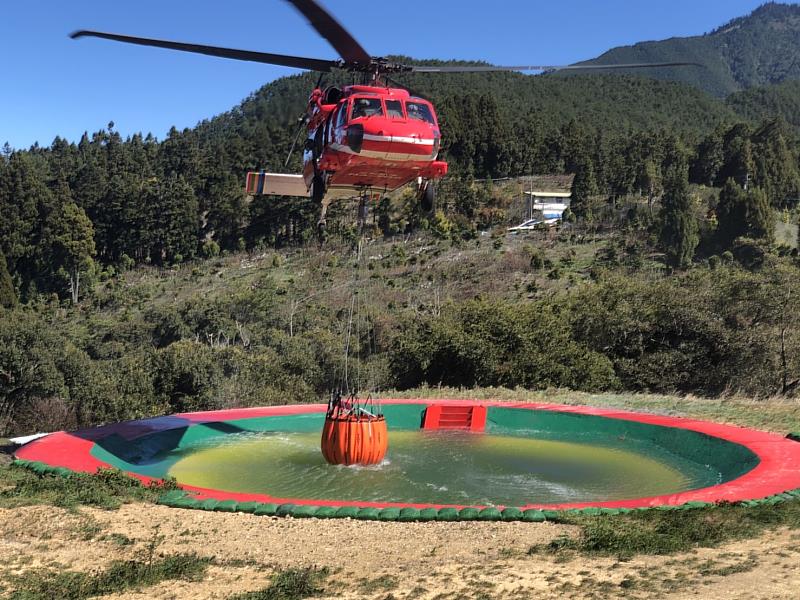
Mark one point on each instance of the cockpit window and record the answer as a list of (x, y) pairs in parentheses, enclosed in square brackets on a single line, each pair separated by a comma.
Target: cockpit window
[(394, 109), (420, 111), (367, 107)]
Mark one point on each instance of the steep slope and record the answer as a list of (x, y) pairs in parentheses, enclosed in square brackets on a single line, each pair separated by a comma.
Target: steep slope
[(781, 100), (756, 50), (613, 103)]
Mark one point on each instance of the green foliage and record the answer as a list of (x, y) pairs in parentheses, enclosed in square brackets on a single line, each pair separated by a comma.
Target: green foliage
[(761, 222), (29, 370), (710, 158), (289, 584), (749, 51), (775, 167), (210, 249), (669, 531), (187, 375), (743, 214), (584, 188), (496, 344), (689, 333), (108, 488), (760, 103), (737, 148), (117, 577), (8, 295), (679, 236)]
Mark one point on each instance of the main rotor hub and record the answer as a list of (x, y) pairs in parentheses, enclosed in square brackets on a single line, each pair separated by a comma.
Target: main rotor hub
[(376, 66)]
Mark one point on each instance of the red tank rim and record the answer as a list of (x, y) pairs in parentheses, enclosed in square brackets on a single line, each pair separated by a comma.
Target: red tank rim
[(778, 469)]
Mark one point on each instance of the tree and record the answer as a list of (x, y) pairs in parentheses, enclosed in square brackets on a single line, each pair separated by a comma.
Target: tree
[(72, 242), (29, 351), (75, 245), (775, 165), (651, 182), (8, 296), (760, 218), (173, 212), (738, 153), (584, 188), (25, 201), (710, 159), (743, 214), (679, 237)]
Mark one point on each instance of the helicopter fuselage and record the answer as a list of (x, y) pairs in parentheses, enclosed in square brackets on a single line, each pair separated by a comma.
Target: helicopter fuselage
[(370, 140)]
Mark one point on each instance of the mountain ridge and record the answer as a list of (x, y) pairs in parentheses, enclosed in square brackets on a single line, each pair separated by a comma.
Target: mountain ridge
[(758, 49)]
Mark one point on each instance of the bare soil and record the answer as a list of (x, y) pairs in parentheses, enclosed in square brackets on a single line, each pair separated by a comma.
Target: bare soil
[(384, 560)]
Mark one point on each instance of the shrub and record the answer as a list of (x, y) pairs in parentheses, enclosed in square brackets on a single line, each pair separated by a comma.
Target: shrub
[(490, 343)]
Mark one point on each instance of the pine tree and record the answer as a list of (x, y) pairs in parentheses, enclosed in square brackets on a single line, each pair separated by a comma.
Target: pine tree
[(710, 159), (72, 245), (174, 229), (775, 165), (650, 180), (743, 214), (731, 213), (584, 188), (738, 152), (679, 237), (8, 296), (760, 218)]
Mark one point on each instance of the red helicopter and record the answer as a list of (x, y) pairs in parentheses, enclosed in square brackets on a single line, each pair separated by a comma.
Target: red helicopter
[(362, 140)]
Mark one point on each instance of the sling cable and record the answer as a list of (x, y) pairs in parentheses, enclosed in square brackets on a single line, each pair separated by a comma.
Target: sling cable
[(355, 431)]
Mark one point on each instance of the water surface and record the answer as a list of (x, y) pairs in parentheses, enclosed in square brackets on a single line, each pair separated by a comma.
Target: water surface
[(441, 468)]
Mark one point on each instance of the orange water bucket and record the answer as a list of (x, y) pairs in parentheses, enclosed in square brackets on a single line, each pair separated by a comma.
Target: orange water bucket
[(354, 440)]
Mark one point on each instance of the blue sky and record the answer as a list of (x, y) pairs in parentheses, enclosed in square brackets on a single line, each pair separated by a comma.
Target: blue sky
[(52, 85)]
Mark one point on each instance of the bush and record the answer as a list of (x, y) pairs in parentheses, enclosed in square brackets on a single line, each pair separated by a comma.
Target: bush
[(489, 343), (210, 249), (682, 334), (537, 260), (188, 376), (29, 371)]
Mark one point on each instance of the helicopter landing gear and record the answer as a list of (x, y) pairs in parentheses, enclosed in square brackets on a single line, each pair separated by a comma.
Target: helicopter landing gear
[(427, 197), (318, 197), (317, 189)]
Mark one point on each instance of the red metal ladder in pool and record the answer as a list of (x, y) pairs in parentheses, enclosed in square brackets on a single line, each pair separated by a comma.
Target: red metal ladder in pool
[(469, 417)]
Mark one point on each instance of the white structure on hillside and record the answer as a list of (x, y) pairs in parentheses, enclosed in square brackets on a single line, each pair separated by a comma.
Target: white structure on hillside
[(544, 208)]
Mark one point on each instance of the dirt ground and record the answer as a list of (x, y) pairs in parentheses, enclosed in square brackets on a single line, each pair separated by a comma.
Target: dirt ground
[(387, 561)]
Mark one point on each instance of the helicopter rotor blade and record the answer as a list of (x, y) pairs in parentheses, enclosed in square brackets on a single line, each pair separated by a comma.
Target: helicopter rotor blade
[(329, 28), (547, 68), (298, 62)]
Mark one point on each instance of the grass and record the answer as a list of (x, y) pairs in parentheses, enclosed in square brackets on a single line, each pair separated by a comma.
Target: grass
[(109, 488), (666, 532), (288, 584), (47, 584), (383, 583)]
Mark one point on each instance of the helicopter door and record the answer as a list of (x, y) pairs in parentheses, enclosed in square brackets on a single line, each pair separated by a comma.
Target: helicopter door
[(338, 131)]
